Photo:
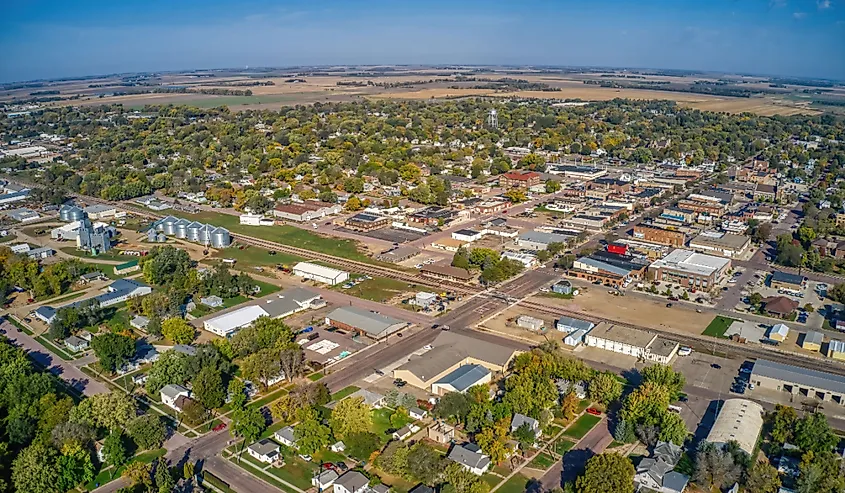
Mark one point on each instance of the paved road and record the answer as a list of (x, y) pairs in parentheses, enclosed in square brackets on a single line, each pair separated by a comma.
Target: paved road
[(568, 468), (237, 478), (57, 366)]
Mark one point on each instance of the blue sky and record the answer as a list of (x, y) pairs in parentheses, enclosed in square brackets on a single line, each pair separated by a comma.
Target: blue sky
[(61, 38)]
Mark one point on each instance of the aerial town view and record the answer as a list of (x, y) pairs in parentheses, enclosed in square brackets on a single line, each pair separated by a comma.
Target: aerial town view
[(366, 247)]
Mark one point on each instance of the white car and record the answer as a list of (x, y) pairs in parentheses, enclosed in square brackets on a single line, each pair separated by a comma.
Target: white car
[(684, 351), (428, 347)]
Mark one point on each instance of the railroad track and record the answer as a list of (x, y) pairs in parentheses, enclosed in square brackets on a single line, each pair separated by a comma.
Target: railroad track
[(707, 344)]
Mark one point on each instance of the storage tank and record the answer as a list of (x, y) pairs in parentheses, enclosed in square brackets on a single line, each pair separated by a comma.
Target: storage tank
[(168, 225), (182, 228), (71, 213), (220, 238), (193, 231), (205, 234)]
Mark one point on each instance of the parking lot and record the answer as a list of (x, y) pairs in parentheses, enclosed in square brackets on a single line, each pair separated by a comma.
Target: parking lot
[(387, 234)]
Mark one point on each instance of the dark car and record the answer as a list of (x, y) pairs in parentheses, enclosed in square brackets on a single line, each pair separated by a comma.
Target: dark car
[(668, 305), (716, 366), (378, 372), (399, 383)]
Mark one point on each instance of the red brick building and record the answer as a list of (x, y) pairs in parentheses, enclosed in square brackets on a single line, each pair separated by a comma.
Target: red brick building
[(519, 179)]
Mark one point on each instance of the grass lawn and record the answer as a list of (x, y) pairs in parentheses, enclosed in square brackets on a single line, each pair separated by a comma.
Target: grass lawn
[(491, 479), (105, 476), (381, 423), (288, 235), (216, 482), (378, 289), (542, 461), (61, 297), (583, 404), (552, 294), (718, 326), (110, 255), (340, 394), (295, 471), (252, 256), (562, 446), (615, 444), (270, 478), (272, 396), (7, 238), (397, 484), (582, 426), (326, 455), (516, 484), (266, 288), (53, 348), (316, 376)]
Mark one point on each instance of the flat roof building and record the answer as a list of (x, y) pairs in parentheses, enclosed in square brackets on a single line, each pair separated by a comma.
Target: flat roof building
[(801, 382), (722, 244), (461, 379), (366, 222), (836, 349), (229, 323), (785, 280), (538, 240), (690, 269), (446, 271), (740, 421), (631, 342)]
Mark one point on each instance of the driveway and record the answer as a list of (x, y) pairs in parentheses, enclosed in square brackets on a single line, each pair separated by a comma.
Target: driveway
[(573, 462), (57, 366)]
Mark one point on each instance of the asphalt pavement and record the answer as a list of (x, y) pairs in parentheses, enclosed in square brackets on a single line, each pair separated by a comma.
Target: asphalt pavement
[(57, 366)]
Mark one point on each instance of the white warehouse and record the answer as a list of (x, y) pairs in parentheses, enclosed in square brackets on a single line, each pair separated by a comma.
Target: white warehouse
[(229, 323), (320, 273)]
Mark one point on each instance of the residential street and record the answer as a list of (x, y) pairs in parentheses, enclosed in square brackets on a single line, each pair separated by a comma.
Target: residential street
[(57, 366)]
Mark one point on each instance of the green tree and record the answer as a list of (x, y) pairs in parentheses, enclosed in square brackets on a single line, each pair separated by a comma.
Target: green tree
[(237, 391), (646, 404), (463, 481), (461, 259), (813, 433), (715, 467), (113, 350), (114, 450), (34, 470), (525, 436), (178, 330), (673, 429), (208, 388), (425, 464), (605, 388), (353, 204), (74, 466), (349, 416), (148, 431), (606, 473), (782, 420), (665, 376), (164, 477), (311, 434), (362, 445), (248, 423), (493, 440), (762, 478), (166, 265), (552, 186), (264, 333)]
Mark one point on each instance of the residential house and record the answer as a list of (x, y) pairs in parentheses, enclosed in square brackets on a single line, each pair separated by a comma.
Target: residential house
[(265, 450), (656, 472), (324, 479), (405, 432), (520, 419), (171, 393), (351, 482), (417, 413), (470, 457), (286, 437), (338, 447), (76, 344), (779, 306)]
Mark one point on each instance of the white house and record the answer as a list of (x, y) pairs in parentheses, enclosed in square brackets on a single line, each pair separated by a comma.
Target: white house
[(320, 273), (256, 220), (405, 432), (417, 413), (521, 419), (265, 450), (338, 447), (351, 482), (286, 436), (229, 323), (170, 393), (470, 457), (468, 235), (324, 479)]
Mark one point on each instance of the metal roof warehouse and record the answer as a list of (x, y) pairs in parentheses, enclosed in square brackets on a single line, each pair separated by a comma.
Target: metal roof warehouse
[(799, 381), (368, 323)]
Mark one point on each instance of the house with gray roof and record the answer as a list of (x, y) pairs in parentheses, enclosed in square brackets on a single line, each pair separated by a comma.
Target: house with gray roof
[(470, 458), (370, 398), (170, 394), (520, 419), (76, 344), (324, 479), (461, 379), (286, 436), (45, 313), (265, 450), (351, 482), (657, 472), (364, 322), (288, 302)]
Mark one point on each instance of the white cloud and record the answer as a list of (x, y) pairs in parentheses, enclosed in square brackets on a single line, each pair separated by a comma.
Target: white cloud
[(823, 4), (799, 15)]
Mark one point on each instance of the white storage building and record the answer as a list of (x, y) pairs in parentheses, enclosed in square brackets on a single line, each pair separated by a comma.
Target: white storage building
[(320, 273), (228, 324)]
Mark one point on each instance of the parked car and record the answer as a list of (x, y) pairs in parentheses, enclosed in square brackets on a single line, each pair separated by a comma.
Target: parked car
[(716, 366), (378, 372), (221, 426), (593, 411), (399, 383), (668, 305)]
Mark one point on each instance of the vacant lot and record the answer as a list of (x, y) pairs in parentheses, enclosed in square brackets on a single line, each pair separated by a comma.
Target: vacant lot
[(718, 326)]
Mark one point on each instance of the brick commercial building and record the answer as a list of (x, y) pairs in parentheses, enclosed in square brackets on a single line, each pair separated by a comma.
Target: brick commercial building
[(517, 179), (609, 268), (366, 222), (661, 236), (708, 205), (722, 244), (690, 269)]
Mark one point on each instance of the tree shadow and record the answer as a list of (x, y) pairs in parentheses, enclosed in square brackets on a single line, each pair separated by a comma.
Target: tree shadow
[(574, 462)]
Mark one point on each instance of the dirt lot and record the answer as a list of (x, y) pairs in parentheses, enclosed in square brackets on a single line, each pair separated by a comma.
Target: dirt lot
[(505, 324), (634, 309)]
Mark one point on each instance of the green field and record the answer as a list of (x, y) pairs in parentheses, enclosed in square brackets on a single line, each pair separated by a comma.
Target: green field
[(718, 326), (63, 298), (381, 423), (266, 288), (582, 426), (251, 257), (287, 235), (542, 461), (7, 238), (213, 101), (340, 394), (562, 446), (378, 289), (516, 484), (110, 255)]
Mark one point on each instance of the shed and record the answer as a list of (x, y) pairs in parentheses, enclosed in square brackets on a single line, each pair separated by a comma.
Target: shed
[(813, 341)]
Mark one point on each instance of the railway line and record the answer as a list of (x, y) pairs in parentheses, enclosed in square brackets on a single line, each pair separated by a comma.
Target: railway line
[(707, 344)]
